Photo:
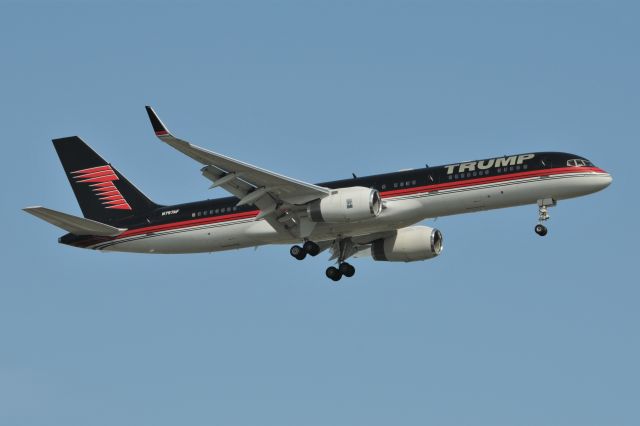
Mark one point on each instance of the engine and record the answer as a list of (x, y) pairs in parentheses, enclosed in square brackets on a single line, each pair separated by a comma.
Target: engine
[(346, 205), (408, 245)]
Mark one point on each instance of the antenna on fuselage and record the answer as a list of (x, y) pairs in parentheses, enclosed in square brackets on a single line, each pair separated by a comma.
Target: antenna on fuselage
[(354, 175)]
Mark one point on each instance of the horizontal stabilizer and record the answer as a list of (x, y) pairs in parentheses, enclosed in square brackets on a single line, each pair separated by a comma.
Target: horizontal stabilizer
[(73, 224)]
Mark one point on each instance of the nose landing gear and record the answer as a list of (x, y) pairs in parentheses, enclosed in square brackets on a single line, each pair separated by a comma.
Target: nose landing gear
[(543, 215)]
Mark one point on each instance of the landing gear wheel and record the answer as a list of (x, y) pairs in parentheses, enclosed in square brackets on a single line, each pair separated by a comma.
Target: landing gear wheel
[(333, 273), (541, 230), (311, 248), (298, 252), (347, 269)]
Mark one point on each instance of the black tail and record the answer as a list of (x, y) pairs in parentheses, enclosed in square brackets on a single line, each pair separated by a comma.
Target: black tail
[(103, 193)]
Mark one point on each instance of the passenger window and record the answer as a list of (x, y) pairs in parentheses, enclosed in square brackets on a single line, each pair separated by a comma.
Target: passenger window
[(193, 214)]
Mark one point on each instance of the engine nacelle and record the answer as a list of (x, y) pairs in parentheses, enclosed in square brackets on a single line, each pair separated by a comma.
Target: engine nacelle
[(352, 204), (408, 245)]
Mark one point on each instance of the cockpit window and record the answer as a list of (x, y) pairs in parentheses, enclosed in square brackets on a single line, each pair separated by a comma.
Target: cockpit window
[(579, 162)]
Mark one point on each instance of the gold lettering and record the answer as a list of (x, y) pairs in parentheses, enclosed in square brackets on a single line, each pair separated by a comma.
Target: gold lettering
[(524, 157), (505, 161), (468, 166), (486, 164), (450, 168)]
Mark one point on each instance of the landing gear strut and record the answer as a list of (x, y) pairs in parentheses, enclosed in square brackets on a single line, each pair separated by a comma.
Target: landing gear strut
[(543, 215)]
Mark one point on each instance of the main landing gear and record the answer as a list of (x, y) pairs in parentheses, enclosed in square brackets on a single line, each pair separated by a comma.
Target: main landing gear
[(308, 248), (543, 215), (343, 268), (342, 250)]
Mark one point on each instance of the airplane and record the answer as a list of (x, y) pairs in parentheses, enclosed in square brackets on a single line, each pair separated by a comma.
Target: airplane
[(372, 216)]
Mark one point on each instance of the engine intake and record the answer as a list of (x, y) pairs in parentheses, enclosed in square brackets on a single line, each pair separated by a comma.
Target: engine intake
[(352, 204), (408, 245)]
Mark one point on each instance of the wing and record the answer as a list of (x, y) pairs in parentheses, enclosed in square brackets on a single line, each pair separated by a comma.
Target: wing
[(277, 196), (224, 171)]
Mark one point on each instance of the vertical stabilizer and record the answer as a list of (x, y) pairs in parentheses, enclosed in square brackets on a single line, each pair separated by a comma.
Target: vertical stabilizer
[(102, 192)]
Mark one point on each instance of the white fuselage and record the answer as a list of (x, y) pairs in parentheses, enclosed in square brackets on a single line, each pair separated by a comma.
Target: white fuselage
[(400, 210)]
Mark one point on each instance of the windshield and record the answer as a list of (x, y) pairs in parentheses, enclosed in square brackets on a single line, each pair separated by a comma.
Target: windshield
[(579, 162)]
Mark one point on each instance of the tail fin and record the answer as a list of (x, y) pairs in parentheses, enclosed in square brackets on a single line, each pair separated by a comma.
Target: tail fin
[(103, 193)]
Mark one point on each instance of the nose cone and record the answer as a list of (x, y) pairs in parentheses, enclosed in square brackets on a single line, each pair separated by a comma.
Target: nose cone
[(602, 180)]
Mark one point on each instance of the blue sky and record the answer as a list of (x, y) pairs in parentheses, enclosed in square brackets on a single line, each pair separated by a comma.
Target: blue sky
[(503, 328)]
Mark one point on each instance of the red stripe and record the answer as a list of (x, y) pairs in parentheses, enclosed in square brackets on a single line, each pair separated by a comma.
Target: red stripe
[(112, 197), (161, 133), (429, 188), (103, 186), (115, 201), (106, 178), (103, 195), (192, 222), (103, 191), (93, 169), (94, 174), (488, 179), (124, 206)]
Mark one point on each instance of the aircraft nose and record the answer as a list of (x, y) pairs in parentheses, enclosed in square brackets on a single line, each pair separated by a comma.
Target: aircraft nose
[(604, 180)]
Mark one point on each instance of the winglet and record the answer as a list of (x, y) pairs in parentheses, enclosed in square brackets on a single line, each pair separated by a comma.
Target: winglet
[(157, 125)]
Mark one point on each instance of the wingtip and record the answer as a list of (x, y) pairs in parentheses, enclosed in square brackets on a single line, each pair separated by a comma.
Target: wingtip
[(159, 128)]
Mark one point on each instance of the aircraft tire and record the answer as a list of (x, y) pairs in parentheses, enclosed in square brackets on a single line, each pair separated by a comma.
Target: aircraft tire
[(541, 230), (311, 248), (347, 269), (298, 252), (333, 273)]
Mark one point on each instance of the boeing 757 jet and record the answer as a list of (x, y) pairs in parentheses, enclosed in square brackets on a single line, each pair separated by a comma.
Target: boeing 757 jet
[(374, 216)]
